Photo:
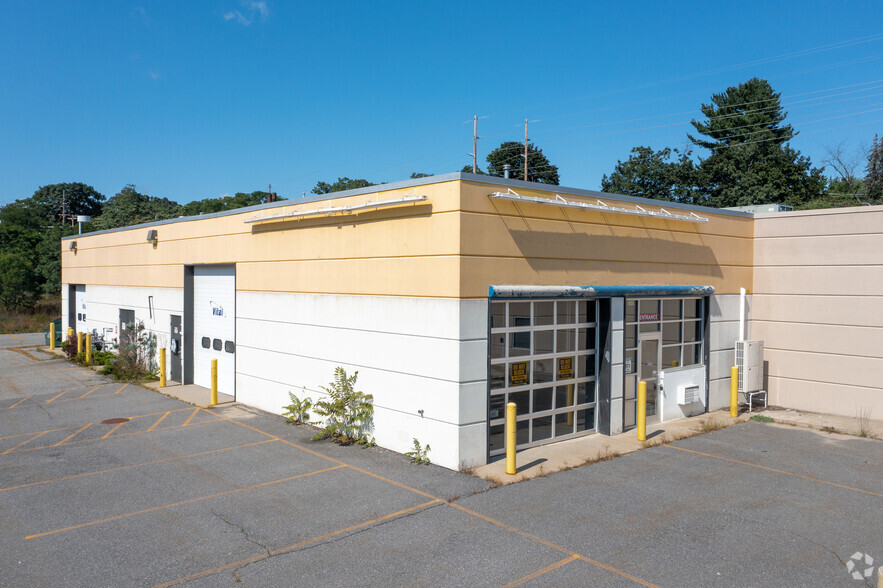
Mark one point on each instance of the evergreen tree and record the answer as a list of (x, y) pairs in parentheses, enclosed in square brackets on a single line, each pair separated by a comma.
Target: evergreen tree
[(873, 183), (652, 174), (750, 160), (538, 167)]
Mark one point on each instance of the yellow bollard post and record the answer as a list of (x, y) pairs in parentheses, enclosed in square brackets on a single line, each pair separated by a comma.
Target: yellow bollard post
[(88, 348), (570, 403), (734, 391), (79, 343), (162, 367), (51, 336), (214, 382), (642, 410), (510, 438), (70, 333)]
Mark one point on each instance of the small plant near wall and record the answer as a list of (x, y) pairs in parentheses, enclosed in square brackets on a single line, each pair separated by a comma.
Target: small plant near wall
[(347, 413), (135, 359), (298, 410), (419, 454)]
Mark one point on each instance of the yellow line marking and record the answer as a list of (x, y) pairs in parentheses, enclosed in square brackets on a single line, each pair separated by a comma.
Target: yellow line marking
[(183, 502), (457, 506), (304, 543), (89, 392), (121, 389), (11, 449), (19, 402), (193, 414), (123, 434), (69, 437), (137, 465), (109, 433), (153, 426), (62, 394), (72, 426), (539, 573), (13, 336), (754, 465)]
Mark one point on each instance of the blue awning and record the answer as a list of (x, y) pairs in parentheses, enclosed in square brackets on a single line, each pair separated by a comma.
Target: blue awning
[(596, 291)]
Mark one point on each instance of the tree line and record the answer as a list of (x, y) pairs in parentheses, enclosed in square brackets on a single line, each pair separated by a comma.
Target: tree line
[(747, 161), (31, 230)]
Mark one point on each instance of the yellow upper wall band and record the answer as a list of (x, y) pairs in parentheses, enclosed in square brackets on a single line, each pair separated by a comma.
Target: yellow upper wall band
[(453, 245)]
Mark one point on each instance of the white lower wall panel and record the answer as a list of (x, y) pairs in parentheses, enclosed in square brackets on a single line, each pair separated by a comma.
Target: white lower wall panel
[(408, 352), (104, 304)]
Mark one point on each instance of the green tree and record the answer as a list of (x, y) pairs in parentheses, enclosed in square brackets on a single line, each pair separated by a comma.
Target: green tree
[(873, 184), (129, 207), (750, 160), (340, 185), (653, 174), (70, 199), (468, 170), (19, 284), (539, 169), (209, 205)]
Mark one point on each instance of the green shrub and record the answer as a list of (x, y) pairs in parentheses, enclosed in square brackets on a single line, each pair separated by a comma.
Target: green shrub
[(347, 413), (298, 410), (759, 418), (418, 454)]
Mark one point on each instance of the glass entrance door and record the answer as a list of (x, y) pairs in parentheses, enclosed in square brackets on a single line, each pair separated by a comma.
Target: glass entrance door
[(649, 358)]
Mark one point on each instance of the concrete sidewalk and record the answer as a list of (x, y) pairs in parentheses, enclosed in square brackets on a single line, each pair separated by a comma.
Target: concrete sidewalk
[(565, 455)]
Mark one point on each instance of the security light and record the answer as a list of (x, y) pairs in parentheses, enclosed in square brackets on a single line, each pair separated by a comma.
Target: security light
[(73, 246), (152, 237)]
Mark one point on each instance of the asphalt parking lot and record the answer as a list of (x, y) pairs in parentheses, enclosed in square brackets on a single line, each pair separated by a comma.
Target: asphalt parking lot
[(179, 495)]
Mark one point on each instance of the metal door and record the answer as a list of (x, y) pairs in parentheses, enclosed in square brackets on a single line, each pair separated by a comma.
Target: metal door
[(649, 358), (127, 324), (80, 304), (176, 347), (214, 326)]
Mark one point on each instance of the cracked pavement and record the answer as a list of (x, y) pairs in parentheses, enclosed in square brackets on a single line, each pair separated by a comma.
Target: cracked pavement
[(234, 496)]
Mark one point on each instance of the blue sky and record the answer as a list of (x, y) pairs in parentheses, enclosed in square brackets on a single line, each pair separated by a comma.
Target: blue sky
[(190, 100)]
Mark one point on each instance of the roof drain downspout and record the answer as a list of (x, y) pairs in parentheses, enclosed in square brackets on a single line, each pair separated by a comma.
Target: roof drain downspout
[(742, 333)]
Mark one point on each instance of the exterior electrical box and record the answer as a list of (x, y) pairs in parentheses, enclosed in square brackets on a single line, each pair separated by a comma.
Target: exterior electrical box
[(749, 360)]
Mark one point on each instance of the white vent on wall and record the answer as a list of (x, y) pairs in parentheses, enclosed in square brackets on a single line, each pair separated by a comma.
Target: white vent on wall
[(749, 360)]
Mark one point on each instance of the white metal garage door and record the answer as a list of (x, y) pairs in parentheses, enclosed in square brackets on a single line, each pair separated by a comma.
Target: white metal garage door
[(214, 325), (80, 305)]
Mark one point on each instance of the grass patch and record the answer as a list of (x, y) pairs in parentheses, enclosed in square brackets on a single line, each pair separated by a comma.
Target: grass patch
[(34, 320), (759, 418)]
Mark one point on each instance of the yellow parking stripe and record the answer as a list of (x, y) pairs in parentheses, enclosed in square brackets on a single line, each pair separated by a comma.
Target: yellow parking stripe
[(11, 449), (109, 433), (89, 392), (193, 414), (69, 437), (153, 426), (539, 573), (14, 337), (181, 503), (19, 402), (121, 389), (59, 396)]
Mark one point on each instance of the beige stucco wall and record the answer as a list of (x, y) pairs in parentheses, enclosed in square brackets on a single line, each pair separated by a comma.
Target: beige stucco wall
[(818, 306), (454, 245), (506, 242)]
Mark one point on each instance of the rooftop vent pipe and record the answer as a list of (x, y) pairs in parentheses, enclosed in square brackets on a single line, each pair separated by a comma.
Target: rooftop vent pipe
[(506, 169)]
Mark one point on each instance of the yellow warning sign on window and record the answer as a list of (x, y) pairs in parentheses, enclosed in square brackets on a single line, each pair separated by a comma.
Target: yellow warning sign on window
[(565, 368), (518, 373)]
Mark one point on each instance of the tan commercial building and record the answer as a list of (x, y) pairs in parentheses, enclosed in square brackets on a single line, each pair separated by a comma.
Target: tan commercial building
[(453, 295)]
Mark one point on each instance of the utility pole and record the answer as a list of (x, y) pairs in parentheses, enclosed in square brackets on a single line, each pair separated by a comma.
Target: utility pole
[(271, 196), (475, 139), (525, 150)]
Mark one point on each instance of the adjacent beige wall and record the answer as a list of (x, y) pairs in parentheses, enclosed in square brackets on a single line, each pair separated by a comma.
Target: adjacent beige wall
[(818, 306), (454, 245)]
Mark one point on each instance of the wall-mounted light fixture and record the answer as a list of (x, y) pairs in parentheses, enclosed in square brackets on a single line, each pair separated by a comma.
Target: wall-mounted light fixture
[(73, 246), (152, 237)]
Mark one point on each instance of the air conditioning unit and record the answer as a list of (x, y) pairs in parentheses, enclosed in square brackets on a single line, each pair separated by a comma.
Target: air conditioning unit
[(749, 360)]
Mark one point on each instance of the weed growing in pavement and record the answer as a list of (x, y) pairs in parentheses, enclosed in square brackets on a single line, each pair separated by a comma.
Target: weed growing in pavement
[(419, 454), (298, 410), (347, 413), (863, 414), (759, 418)]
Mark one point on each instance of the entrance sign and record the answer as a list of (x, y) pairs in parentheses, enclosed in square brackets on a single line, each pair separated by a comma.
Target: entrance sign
[(649, 316)]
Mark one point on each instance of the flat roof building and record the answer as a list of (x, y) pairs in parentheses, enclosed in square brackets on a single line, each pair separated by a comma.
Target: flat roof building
[(453, 295)]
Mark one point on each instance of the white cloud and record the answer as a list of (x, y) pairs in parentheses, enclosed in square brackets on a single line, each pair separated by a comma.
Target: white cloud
[(252, 10)]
